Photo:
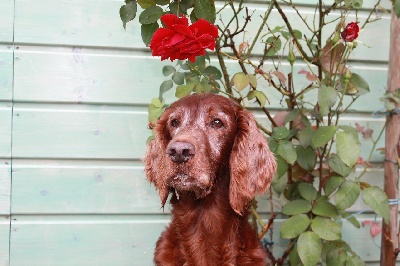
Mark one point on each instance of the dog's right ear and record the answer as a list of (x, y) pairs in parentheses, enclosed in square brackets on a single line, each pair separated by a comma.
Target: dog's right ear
[(155, 159)]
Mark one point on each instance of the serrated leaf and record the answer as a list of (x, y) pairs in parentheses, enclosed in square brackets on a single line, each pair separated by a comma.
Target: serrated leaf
[(150, 15), (326, 99), (168, 70), (326, 229), (377, 199), (305, 136), (128, 12), (347, 195), (306, 157), (296, 207), (338, 166), (241, 81), (147, 32), (287, 151), (155, 109), (294, 226), (309, 247), (307, 191), (322, 136), (333, 183), (325, 209), (184, 90), (205, 9), (347, 147)]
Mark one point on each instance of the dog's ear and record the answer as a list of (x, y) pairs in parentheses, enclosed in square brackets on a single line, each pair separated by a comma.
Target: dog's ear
[(252, 164), (155, 159)]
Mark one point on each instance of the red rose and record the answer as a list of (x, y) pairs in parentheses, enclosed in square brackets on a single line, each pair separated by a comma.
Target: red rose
[(178, 40), (350, 32)]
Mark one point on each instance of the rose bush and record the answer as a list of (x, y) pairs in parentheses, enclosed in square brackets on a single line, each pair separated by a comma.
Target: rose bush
[(310, 73), (180, 41)]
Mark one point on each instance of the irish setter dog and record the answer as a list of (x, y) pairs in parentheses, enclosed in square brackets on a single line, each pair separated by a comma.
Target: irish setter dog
[(210, 155)]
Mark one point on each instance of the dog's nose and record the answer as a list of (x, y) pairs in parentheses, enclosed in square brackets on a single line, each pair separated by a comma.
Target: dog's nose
[(180, 152)]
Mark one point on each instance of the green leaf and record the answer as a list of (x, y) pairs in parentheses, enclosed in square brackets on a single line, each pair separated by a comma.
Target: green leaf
[(212, 72), (155, 109), (282, 166), (150, 15), (184, 90), (377, 199), (287, 151), (165, 86), (294, 258), (306, 157), (280, 132), (325, 208), (326, 99), (241, 81), (307, 191), (252, 80), (296, 207), (292, 115), (205, 9), (338, 166), (294, 226), (326, 229), (351, 218), (336, 256), (347, 147), (274, 46), (259, 95), (279, 183), (198, 66), (147, 32), (396, 8), (128, 12), (146, 3), (309, 247), (356, 86), (322, 136), (305, 136), (178, 78), (347, 195), (168, 70), (354, 260), (333, 183)]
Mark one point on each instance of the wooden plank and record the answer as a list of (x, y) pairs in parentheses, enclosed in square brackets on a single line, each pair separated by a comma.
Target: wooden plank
[(80, 187), (6, 71), (6, 21), (121, 240), (97, 24), (5, 186), (5, 130), (86, 76), (4, 240), (84, 240), (122, 77), (79, 131)]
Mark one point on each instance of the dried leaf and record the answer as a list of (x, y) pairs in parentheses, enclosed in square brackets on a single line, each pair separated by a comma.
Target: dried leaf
[(280, 76), (331, 57)]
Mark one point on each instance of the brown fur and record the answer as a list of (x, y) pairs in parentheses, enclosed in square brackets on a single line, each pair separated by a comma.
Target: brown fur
[(213, 180)]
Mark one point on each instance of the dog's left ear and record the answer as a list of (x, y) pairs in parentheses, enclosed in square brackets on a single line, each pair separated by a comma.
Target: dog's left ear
[(252, 164)]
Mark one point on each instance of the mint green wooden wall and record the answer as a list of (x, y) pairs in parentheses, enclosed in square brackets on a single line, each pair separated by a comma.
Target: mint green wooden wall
[(74, 86)]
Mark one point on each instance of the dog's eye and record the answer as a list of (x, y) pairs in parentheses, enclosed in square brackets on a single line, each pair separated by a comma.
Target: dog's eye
[(175, 123), (217, 123)]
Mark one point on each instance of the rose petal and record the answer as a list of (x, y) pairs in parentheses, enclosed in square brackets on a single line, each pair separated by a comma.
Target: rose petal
[(171, 19)]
